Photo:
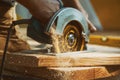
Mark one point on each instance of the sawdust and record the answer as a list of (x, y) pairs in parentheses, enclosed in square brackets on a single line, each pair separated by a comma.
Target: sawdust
[(59, 45), (55, 41)]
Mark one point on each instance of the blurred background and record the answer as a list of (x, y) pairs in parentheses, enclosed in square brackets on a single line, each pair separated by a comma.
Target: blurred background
[(108, 12)]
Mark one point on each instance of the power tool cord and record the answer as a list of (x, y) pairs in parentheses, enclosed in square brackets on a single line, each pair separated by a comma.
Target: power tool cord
[(5, 51), (22, 21)]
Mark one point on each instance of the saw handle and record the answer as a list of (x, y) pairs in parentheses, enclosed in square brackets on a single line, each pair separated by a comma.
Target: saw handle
[(22, 21)]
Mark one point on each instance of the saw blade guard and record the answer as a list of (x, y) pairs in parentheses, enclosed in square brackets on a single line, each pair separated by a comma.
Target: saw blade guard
[(69, 30), (65, 16)]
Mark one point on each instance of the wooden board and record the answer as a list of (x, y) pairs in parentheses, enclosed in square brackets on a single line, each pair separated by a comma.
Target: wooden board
[(110, 78), (105, 40), (65, 73), (12, 75), (102, 49), (38, 66), (73, 73), (63, 60)]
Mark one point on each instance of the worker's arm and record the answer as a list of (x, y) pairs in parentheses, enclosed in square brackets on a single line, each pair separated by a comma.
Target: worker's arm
[(8, 2), (75, 4), (42, 10)]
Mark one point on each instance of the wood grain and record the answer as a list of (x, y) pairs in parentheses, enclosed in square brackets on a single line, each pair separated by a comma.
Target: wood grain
[(71, 59), (62, 73)]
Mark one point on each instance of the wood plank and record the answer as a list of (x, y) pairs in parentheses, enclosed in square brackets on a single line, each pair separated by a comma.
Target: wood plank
[(110, 78), (60, 73), (105, 40), (63, 60), (63, 73), (12, 75), (103, 49)]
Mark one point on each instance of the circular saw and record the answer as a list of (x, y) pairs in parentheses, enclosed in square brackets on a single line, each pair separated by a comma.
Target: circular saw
[(67, 31)]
